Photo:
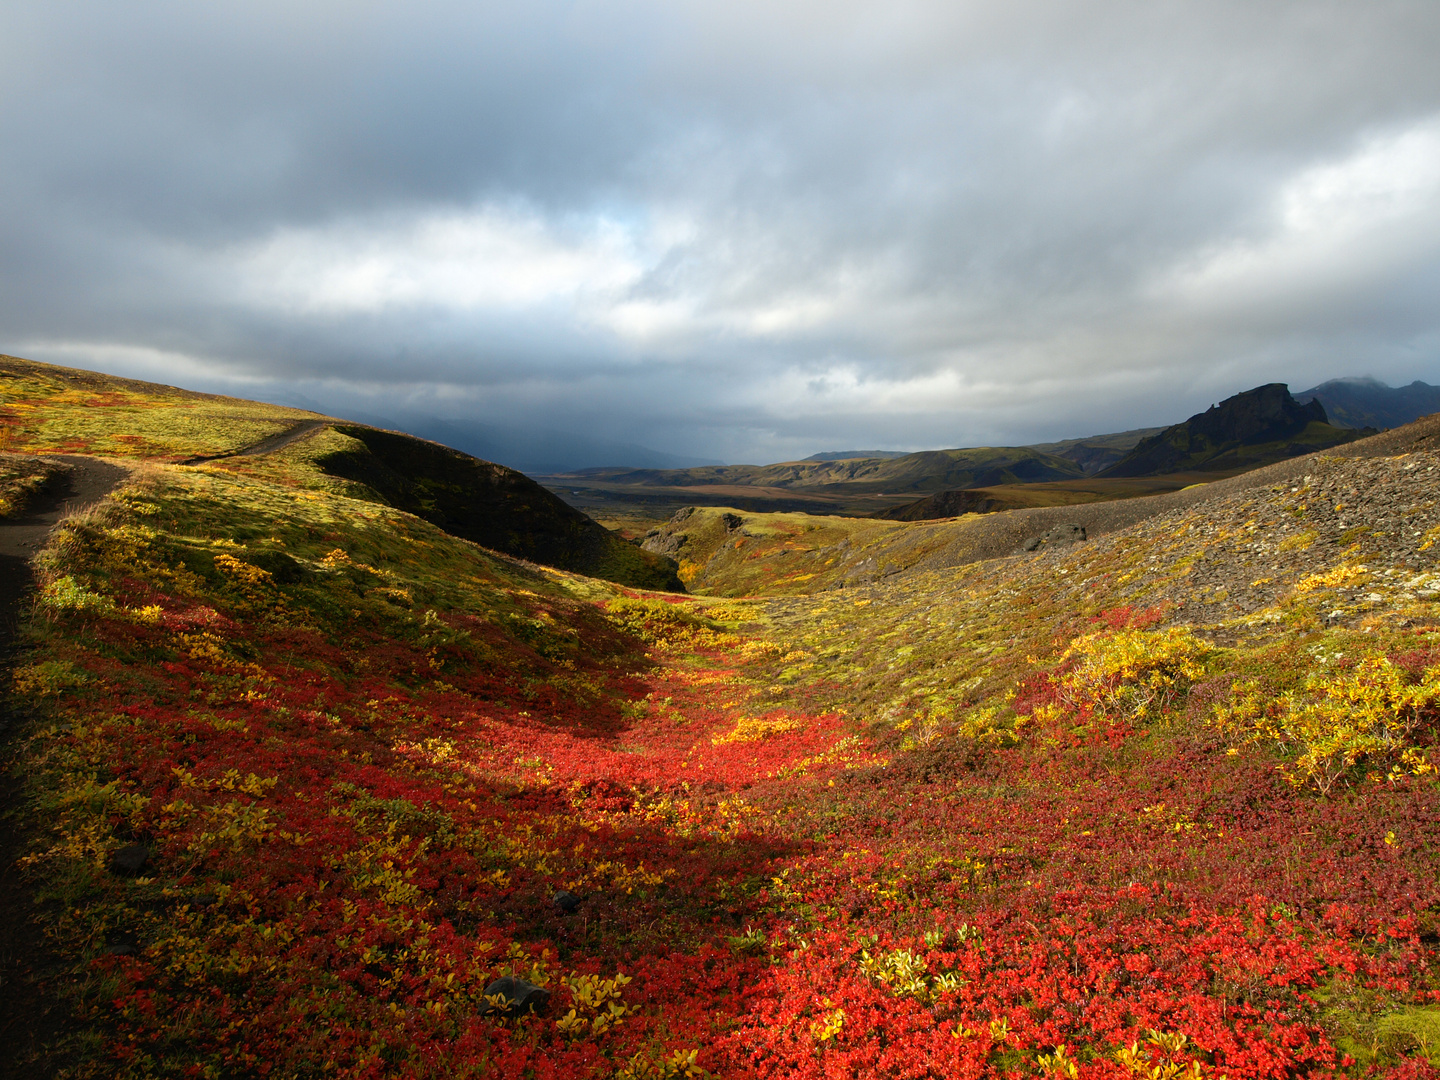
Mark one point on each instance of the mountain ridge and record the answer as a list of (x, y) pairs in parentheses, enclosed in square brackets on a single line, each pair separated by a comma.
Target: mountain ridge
[(1248, 429), (1368, 402)]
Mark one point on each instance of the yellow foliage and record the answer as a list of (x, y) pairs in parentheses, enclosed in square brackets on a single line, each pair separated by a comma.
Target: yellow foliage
[(242, 573), (679, 1065), (902, 971), (48, 678), (1340, 719), (598, 1005), (67, 594), (1131, 674), (1344, 574), (753, 729), (828, 1025), (1059, 1064)]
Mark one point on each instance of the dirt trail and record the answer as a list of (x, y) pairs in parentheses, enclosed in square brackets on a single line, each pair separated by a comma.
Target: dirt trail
[(86, 481), (302, 430), (29, 1017)]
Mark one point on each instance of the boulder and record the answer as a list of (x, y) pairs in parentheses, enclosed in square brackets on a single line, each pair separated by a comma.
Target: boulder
[(122, 943), (1060, 534), (509, 996), (129, 860)]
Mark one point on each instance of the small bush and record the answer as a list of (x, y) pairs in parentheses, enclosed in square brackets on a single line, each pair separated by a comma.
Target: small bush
[(1130, 674), (1340, 719), (67, 594)]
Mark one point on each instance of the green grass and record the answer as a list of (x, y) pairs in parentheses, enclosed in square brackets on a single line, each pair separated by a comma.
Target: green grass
[(53, 409)]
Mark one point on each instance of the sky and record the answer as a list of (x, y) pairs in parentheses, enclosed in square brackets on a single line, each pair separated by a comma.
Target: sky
[(744, 231)]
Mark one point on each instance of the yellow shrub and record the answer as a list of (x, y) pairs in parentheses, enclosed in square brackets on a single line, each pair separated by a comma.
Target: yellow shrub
[(753, 729), (1345, 574), (48, 678), (1341, 719), (1131, 674), (598, 1006), (67, 594), (659, 623)]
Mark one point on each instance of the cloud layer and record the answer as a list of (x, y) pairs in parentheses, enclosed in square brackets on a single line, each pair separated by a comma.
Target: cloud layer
[(728, 229)]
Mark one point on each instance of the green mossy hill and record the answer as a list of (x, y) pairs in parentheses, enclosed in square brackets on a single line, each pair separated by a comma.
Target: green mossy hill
[(494, 506), (45, 408), (1251, 429), (929, 470)]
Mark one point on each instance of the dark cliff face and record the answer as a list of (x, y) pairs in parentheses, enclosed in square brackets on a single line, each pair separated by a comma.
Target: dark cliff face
[(1248, 430), (1261, 415)]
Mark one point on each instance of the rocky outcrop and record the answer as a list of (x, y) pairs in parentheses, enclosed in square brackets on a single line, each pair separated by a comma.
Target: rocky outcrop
[(1251, 429)]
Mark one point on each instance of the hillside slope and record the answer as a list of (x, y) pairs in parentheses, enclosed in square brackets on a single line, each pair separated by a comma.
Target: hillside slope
[(1096, 452), (1249, 429), (928, 470), (46, 408), (745, 551), (315, 788)]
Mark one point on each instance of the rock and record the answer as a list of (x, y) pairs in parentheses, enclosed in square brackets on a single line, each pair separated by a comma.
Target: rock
[(1060, 534), (122, 943), (509, 996), (129, 860), (566, 902), (731, 521)]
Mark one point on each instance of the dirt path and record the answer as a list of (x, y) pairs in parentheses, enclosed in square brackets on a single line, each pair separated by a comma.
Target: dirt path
[(265, 446), (29, 1016)]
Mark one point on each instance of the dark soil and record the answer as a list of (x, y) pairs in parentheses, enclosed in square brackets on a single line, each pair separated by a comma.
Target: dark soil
[(30, 1015)]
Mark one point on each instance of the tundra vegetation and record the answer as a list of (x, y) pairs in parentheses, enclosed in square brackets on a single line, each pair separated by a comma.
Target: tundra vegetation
[(309, 777)]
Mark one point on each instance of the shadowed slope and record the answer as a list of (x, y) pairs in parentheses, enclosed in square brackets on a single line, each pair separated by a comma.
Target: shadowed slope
[(493, 506)]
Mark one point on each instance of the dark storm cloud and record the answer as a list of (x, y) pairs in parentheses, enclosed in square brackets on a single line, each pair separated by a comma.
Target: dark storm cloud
[(736, 230)]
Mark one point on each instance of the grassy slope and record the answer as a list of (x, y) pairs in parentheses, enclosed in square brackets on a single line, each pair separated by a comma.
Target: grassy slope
[(66, 410), (987, 500), (935, 825), (46, 408), (489, 504), (1094, 452)]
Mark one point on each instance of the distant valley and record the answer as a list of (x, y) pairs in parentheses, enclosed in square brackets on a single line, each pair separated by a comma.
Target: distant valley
[(1253, 428)]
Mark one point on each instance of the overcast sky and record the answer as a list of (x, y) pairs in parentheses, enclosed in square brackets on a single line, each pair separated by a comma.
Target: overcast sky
[(742, 230)]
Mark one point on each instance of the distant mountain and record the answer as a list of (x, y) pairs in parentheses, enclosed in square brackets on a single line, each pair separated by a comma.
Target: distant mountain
[(846, 455), (1367, 402), (929, 470), (534, 451), (1248, 430), (1095, 452)]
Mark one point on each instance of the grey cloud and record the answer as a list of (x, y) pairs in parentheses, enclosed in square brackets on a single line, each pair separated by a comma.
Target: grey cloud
[(910, 224)]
